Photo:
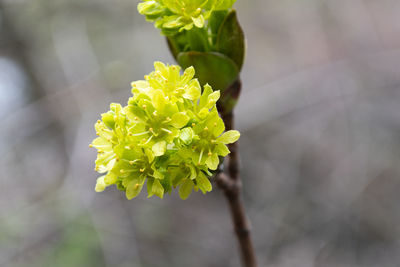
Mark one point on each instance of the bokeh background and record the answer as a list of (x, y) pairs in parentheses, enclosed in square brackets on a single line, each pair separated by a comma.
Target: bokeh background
[(320, 146)]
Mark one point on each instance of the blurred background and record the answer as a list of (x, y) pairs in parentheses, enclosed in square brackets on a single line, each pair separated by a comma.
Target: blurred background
[(320, 146)]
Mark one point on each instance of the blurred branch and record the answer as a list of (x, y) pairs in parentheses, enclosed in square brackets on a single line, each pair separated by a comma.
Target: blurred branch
[(18, 47)]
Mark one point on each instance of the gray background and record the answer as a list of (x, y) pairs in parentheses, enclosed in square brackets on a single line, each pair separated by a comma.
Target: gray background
[(319, 116)]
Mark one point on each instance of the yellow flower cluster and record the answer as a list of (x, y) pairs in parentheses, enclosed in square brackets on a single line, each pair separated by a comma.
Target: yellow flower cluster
[(169, 134)]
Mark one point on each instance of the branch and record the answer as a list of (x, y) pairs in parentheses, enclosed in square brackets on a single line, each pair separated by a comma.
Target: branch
[(231, 185)]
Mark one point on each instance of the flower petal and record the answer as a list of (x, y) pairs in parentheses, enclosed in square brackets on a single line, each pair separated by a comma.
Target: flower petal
[(186, 189), (159, 148), (229, 137), (179, 120), (203, 183)]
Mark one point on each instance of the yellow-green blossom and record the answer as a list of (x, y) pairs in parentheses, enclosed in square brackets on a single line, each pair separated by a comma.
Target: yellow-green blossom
[(169, 134), (172, 16)]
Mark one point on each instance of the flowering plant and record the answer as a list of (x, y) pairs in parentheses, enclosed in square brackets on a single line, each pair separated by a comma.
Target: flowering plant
[(204, 34), (172, 16), (169, 134)]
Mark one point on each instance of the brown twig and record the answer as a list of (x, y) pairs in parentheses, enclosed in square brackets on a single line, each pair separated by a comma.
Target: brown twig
[(231, 184)]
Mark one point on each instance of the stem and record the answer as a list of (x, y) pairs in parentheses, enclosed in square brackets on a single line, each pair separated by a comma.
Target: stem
[(231, 184)]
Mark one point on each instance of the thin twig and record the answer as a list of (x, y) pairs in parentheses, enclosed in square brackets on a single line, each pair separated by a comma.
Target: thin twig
[(231, 184)]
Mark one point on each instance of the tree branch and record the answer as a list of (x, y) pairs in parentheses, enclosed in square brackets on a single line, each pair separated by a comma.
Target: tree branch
[(231, 184)]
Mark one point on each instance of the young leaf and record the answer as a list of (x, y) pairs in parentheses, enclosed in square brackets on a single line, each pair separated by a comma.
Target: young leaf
[(230, 39), (215, 21), (211, 67), (198, 40)]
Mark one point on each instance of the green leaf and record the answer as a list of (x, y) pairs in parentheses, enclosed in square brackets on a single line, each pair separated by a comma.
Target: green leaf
[(177, 43), (198, 40), (215, 21), (179, 120), (211, 67), (229, 137), (230, 39), (224, 4), (159, 148), (186, 189), (203, 183)]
